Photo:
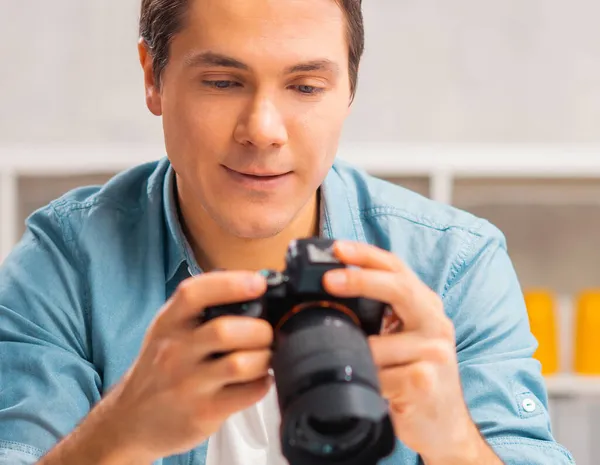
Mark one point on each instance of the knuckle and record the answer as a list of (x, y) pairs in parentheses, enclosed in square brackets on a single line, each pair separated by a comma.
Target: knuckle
[(236, 365), (439, 352), (422, 377), (221, 331), (167, 354), (406, 292), (446, 329), (185, 292)]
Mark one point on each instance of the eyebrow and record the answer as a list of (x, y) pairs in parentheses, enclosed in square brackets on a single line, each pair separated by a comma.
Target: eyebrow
[(214, 59), (314, 65), (207, 59)]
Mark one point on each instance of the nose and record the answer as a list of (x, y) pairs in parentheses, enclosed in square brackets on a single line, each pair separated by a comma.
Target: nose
[(262, 126)]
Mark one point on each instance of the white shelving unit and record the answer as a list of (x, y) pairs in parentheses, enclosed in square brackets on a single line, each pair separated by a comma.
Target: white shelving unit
[(436, 170), (524, 190), (567, 385)]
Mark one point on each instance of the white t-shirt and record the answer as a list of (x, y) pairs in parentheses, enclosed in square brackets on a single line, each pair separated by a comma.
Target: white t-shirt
[(249, 437)]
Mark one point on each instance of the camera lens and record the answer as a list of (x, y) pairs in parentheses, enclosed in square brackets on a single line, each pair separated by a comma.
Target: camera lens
[(334, 427), (330, 439), (328, 391)]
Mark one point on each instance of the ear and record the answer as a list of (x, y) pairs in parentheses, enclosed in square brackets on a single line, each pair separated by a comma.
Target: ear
[(153, 98)]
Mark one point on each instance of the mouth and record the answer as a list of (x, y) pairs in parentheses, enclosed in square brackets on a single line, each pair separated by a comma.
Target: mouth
[(259, 180), (260, 175)]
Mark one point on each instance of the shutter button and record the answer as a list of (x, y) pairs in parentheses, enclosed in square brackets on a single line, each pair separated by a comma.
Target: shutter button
[(529, 405)]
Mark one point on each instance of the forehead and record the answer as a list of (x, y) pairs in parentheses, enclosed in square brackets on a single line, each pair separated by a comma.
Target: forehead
[(266, 29)]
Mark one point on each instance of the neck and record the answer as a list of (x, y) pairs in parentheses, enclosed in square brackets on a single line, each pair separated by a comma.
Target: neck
[(215, 247)]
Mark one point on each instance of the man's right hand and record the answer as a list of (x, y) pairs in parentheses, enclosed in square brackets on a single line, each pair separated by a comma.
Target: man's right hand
[(175, 395)]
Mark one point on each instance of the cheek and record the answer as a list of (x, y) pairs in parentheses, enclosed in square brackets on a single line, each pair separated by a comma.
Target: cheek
[(196, 125), (316, 134)]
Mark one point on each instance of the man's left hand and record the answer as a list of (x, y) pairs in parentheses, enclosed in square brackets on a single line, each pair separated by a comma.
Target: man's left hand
[(415, 354)]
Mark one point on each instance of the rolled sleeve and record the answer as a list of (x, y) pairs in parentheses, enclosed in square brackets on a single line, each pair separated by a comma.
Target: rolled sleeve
[(502, 382), (523, 451), (47, 381), (14, 453)]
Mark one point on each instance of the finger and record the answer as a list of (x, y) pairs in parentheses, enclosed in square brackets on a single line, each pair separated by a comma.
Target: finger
[(414, 303), (402, 384), (239, 397), (368, 256), (209, 289), (410, 347), (230, 333), (237, 368)]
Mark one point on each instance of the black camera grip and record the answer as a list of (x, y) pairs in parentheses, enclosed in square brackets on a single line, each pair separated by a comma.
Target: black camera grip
[(250, 308)]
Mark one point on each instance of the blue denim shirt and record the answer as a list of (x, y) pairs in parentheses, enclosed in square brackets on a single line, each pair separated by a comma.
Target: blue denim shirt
[(93, 268)]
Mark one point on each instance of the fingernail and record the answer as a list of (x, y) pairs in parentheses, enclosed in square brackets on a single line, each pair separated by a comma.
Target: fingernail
[(337, 278), (255, 283)]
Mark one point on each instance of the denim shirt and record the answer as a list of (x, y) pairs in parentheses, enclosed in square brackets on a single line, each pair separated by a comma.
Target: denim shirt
[(79, 291)]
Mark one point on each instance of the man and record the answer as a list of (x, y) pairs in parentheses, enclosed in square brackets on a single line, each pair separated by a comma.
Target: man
[(100, 359)]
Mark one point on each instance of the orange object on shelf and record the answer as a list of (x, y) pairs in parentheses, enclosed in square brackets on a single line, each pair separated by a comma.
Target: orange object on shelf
[(587, 333), (541, 308)]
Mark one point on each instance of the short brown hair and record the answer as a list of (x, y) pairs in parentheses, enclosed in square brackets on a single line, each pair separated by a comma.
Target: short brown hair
[(161, 20)]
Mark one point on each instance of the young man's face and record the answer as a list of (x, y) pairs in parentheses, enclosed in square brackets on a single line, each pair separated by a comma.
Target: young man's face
[(255, 87)]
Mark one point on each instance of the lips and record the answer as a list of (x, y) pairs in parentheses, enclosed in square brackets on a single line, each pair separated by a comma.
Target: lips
[(260, 174), (260, 180)]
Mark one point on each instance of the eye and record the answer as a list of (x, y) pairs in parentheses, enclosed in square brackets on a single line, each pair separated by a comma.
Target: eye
[(308, 90), (221, 84)]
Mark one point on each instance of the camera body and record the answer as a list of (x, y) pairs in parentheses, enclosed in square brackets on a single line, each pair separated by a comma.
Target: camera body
[(300, 288), (327, 384)]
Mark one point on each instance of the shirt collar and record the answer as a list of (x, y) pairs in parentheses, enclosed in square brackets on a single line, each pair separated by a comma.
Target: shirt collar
[(339, 218), (179, 250)]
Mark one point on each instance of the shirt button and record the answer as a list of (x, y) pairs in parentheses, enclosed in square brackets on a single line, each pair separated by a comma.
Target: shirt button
[(529, 405)]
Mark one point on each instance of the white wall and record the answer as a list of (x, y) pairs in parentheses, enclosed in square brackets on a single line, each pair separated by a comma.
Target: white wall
[(435, 71), (481, 71)]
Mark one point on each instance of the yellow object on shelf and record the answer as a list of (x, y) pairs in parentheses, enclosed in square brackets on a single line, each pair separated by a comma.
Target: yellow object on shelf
[(541, 309), (587, 333)]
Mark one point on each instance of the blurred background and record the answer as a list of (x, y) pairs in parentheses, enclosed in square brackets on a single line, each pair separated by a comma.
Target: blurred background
[(492, 106)]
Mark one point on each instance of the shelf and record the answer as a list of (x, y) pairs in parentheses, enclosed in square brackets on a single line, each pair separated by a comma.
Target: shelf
[(477, 160), (418, 184), (551, 226), (34, 192), (73, 159), (568, 385), (380, 159)]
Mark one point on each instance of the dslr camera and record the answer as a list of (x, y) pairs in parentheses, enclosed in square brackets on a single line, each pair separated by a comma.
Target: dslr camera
[(332, 411)]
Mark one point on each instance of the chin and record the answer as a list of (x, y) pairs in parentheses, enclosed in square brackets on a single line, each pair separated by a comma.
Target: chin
[(261, 225), (255, 231)]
